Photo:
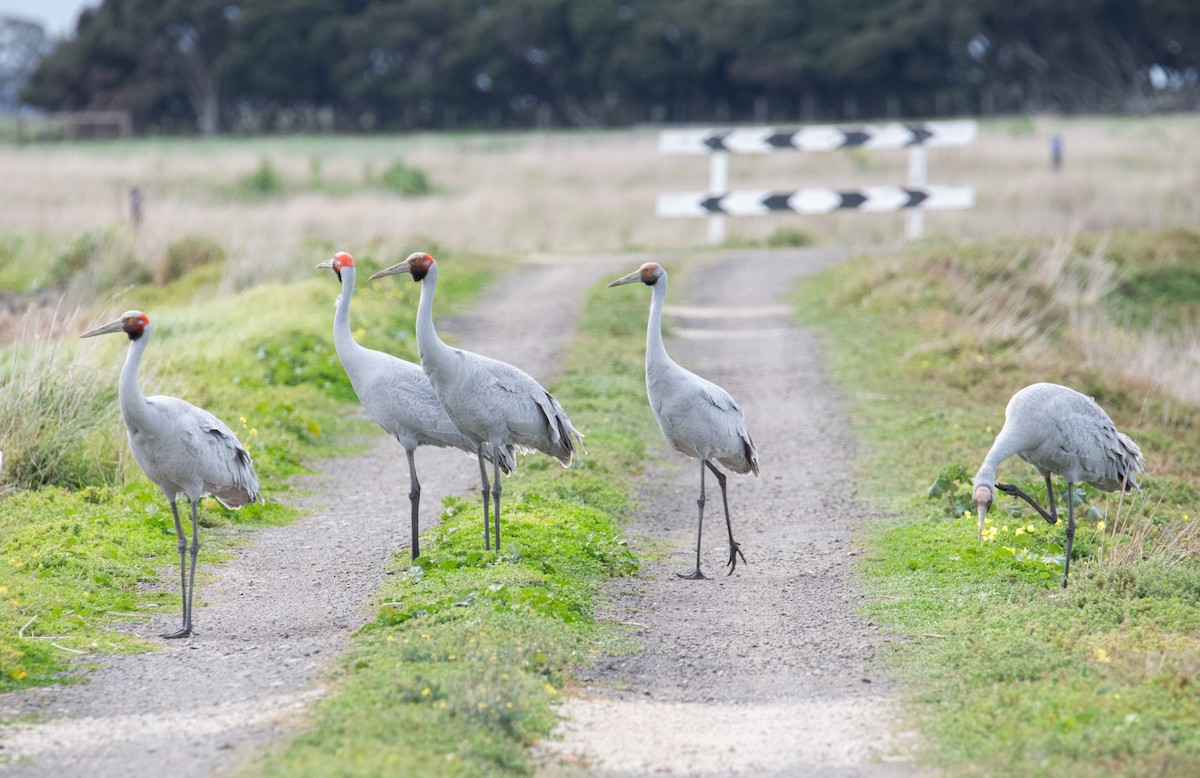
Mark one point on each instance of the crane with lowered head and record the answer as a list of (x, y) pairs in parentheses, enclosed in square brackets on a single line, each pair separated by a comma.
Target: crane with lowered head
[(1059, 431)]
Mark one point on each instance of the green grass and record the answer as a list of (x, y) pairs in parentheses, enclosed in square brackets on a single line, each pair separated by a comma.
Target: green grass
[(458, 672), (1005, 672), (87, 531)]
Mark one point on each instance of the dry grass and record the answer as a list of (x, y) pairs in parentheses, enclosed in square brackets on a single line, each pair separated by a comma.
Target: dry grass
[(51, 406), (577, 192), (1137, 531)]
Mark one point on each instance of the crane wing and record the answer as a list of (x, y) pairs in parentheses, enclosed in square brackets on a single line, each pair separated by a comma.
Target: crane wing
[(701, 419), (1091, 445), (399, 397), (211, 450)]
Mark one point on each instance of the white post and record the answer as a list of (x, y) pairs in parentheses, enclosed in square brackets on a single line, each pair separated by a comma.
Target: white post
[(915, 220), (718, 184)]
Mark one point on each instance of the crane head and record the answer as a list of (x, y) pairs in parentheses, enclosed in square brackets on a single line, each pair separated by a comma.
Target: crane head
[(983, 504), (340, 260), (418, 263), (648, 274), (132, 323)]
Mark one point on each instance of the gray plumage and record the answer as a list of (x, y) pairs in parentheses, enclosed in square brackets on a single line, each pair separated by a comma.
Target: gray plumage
[(183, 449), (494, 404), (395, 393), (697, 417), (1059, 431)]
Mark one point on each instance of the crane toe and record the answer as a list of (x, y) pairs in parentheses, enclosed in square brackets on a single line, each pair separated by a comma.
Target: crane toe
[(735, 551), (695, 575)]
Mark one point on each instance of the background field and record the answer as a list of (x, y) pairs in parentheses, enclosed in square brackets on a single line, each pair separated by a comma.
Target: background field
[(575, 192)]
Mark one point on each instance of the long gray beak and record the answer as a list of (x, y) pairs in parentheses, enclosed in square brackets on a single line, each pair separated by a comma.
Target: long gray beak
[(981, 510), (112, 326), (326, 264), (629, 279), (395, 270)]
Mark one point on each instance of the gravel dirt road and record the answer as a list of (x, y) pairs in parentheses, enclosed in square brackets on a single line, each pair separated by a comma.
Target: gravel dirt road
[(766, 672)]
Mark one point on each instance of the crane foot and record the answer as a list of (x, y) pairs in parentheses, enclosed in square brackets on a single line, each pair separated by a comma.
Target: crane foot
[(695, 575), (735, 551), (181, 633)]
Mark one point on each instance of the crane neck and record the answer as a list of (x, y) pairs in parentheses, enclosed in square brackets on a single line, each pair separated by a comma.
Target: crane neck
[(343, 340), (129, 394), (429, 345), (656, 351), (1004, 447)]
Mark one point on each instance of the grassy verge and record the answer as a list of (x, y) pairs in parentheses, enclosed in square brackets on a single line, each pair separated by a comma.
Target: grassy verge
[(458, 672), (1007, 673), (85, 539)]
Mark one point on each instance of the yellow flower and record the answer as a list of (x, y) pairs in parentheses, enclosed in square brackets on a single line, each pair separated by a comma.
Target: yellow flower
[(1101, 655), (1019, 531), (1099, 526), (550, 689), (426, 692)]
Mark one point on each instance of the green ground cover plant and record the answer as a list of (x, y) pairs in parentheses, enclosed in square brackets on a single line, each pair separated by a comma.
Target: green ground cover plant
[(1007, 673), (82, 531), (458, 672)]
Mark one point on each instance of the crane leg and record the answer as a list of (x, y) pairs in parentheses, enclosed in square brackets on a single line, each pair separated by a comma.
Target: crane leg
[(1016, 491), (496, 493), (182, 544), (1070, 532), (195, 551), (414, 496), (734, 549), (1050, 500), (696, 574), (487, 528)]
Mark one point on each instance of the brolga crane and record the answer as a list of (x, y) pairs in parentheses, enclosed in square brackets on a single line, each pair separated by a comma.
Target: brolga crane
[(395, 393), (696, 416), (496, 405), (183, 449), (1058, 431)]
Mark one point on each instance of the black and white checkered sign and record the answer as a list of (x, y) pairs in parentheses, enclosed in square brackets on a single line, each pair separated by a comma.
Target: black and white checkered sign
[(816, 200), (764, 140)]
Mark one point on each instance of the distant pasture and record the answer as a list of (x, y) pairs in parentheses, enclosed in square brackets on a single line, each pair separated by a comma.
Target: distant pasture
[(521, 194)]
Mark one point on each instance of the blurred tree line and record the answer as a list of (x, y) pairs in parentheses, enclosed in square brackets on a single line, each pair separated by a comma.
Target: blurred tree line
[(284, 65)]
